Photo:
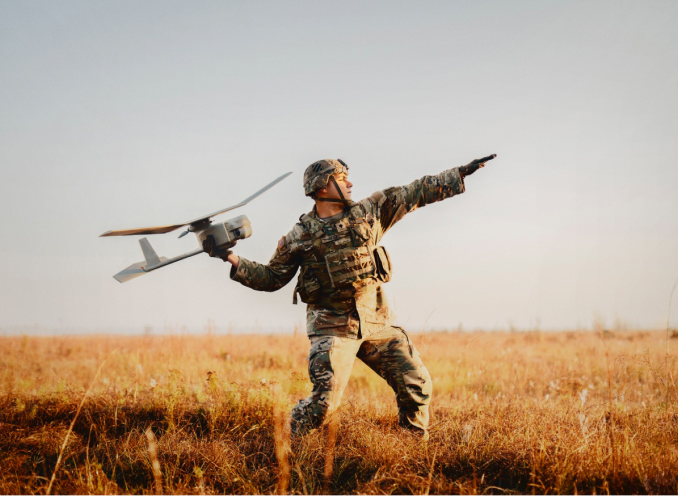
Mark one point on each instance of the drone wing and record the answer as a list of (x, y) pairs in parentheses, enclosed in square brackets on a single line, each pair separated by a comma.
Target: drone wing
[(143, 230), (173, 227), (244, 202)]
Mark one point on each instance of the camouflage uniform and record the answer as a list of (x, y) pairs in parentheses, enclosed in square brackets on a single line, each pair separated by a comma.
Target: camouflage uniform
[(341, 277)]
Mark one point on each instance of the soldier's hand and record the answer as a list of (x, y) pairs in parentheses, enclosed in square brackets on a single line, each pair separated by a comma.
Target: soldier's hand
[(471, 167), (209, 246)]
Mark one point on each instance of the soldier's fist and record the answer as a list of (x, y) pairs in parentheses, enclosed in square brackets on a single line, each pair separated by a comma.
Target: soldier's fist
[(471, 167)]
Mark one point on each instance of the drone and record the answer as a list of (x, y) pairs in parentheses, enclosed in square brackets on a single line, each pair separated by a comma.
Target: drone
[(226, 235)]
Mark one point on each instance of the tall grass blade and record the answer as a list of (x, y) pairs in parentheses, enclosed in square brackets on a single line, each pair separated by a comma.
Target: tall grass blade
[(155, 463)]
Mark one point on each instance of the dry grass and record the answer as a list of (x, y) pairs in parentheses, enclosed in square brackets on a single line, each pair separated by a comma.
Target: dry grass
[(512, 413)]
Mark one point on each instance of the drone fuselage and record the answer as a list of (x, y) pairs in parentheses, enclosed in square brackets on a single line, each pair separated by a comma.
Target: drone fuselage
[(227, 234)]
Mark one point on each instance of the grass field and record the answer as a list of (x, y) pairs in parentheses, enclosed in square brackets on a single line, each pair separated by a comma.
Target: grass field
[(537, 412)]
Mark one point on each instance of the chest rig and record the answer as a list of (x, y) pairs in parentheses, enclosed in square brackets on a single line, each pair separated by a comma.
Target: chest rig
[(335, 255)]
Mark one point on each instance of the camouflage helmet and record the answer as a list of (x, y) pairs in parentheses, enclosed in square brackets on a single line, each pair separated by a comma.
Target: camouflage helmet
[(318, 174)]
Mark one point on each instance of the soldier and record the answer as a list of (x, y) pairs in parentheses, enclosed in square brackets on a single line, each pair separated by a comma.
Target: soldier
[(336, 246)]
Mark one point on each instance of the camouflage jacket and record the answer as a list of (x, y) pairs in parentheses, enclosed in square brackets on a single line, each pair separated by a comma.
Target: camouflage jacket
[(342, 266)]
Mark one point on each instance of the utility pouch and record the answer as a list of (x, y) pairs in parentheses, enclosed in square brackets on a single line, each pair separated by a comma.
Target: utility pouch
[(383, 263)]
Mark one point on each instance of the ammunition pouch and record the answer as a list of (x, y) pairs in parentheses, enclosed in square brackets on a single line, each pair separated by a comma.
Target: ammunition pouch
[(349, 265)]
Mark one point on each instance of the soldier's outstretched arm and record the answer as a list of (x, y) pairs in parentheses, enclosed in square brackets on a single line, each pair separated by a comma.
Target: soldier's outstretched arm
[(270, 277), (394, 203)]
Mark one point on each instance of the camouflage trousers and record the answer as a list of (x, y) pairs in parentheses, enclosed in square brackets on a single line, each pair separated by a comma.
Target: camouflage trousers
[(389, 353)]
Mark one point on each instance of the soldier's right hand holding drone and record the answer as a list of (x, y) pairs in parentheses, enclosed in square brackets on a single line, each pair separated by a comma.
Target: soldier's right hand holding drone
[(209, 246)]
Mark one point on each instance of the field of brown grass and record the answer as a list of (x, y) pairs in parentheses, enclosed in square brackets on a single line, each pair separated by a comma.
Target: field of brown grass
[(511, 413)]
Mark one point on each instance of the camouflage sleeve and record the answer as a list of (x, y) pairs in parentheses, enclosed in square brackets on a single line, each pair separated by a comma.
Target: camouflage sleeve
[(393, 203), (271, 277)]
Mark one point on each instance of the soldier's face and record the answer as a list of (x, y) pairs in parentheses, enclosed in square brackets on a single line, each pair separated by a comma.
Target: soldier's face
[(344, 184)]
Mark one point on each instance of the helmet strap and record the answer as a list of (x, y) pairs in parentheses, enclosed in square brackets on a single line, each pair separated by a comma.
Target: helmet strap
[(341, 195)]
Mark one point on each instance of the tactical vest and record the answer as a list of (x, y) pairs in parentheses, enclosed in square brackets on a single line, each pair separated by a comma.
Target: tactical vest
[(335, 255)]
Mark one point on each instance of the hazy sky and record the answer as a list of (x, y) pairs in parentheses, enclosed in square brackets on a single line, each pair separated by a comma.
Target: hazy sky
[(125, 114)]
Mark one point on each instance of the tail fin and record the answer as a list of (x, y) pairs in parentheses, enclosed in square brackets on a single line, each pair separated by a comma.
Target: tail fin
[(140, 268), (149, 253)]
